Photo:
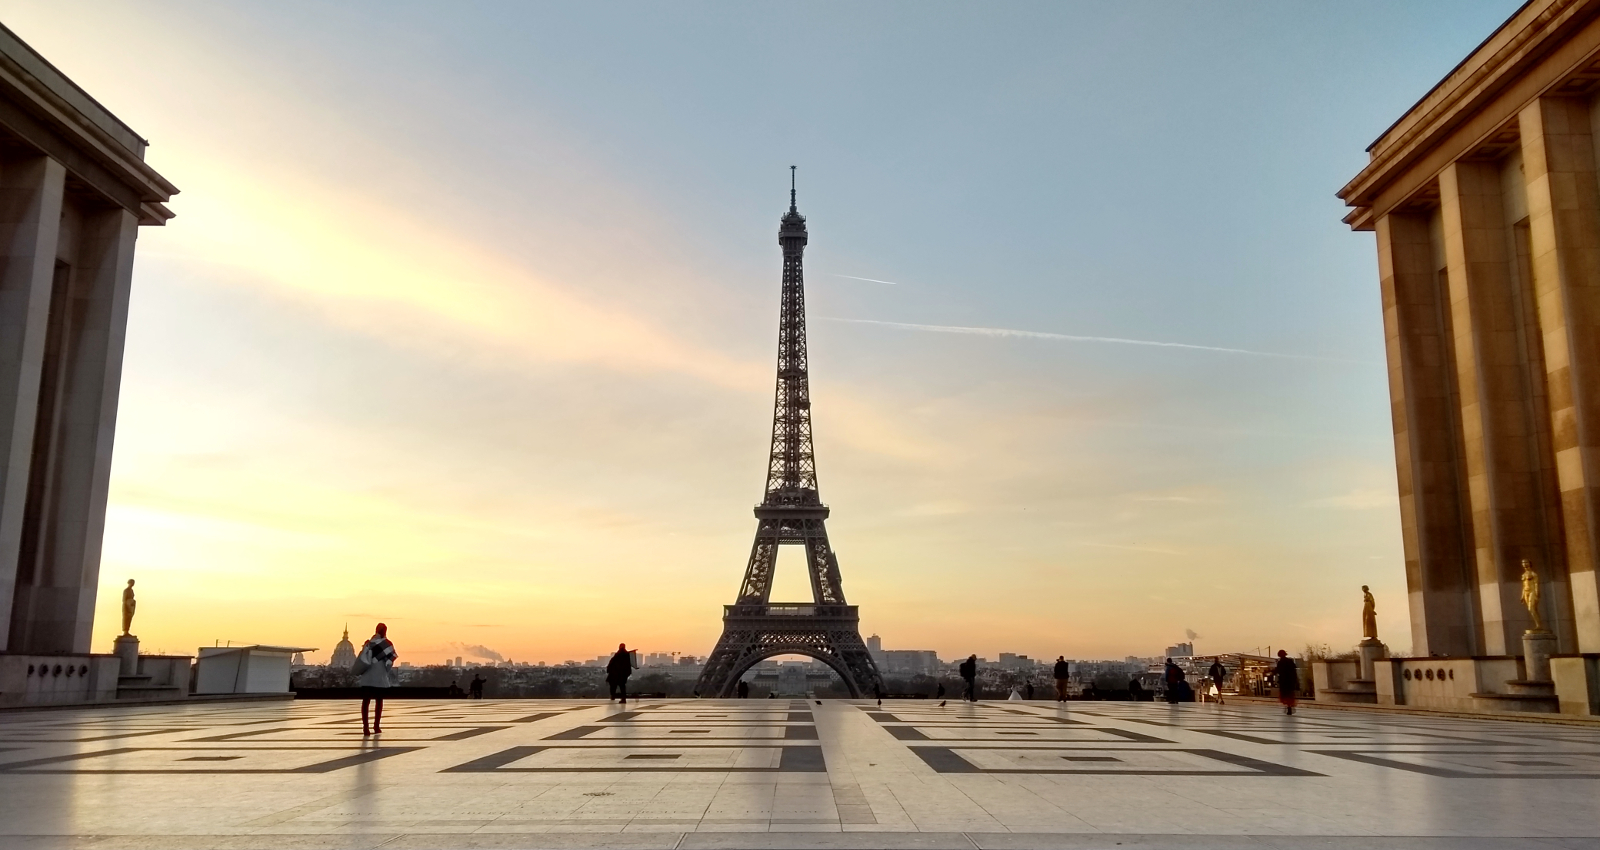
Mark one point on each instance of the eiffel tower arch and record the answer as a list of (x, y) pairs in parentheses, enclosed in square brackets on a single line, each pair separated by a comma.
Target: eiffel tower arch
[(791, 513)]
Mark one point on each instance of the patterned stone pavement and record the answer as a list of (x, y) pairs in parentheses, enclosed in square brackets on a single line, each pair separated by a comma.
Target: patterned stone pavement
[(789, 774)]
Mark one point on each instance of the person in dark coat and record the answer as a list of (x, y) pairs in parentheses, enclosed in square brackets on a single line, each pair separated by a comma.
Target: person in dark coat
[(940, 695), (475, 687), (969, 674), (1135, 689), (1175, 682), (1062, 672), (1288, 677), (1217, 673), (744, 689), (617, 672)]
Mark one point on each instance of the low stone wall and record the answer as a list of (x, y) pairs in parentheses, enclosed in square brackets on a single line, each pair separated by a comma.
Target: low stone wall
[(1444, 684), (57, 679), (167, 671), (1577, 679), (1448, 684), (1333, 675)]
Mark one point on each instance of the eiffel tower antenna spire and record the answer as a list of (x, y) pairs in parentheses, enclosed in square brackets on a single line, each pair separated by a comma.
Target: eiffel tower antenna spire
[(791, 513)]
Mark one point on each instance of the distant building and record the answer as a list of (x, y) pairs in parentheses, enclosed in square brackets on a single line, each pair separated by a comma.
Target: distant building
[(1013, 661), (1182, 650), (902, 662), (344, 653)]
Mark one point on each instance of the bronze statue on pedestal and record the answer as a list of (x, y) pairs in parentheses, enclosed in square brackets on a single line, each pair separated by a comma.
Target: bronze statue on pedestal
[(1369, 615), (1530, 595), (128, 606)]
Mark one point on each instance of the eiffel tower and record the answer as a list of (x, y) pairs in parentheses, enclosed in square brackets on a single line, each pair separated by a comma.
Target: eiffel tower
[(791, 514)]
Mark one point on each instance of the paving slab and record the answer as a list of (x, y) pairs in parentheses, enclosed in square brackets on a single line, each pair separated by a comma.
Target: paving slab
[(506, 775)]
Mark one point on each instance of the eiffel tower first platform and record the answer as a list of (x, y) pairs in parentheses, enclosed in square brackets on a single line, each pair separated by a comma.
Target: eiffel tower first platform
[(791, 514)]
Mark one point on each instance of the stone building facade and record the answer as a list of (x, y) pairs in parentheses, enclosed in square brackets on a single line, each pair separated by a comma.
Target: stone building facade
[(1485, 200), (74, 189)]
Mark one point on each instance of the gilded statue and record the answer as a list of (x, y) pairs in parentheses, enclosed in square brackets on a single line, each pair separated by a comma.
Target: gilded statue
[(1530, 595), (1369, 614), (128, 605)]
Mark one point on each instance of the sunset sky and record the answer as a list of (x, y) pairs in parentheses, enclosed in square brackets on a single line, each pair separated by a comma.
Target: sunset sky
[(467, 319)]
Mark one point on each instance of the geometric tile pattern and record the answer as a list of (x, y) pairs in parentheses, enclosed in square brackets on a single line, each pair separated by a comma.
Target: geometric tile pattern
[(677, 773)]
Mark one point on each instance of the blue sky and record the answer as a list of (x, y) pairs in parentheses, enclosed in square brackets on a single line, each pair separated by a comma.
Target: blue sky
[(467, 317)]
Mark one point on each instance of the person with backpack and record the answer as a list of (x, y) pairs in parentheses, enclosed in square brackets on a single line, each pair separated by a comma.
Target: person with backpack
[(1177, 684), (1062, 672), (969, 674), (374, 674), (617, 672)]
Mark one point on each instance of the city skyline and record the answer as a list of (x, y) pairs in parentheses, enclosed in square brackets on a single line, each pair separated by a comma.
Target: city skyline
[(479, 345)]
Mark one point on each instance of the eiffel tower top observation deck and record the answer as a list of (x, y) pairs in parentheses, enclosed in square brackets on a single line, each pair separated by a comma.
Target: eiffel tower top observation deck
[(792, 467)]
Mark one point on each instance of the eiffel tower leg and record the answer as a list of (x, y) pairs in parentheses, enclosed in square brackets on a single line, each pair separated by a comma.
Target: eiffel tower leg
[(831, 636), (826, 588), (719, 678), (853, 655), (757, 585)]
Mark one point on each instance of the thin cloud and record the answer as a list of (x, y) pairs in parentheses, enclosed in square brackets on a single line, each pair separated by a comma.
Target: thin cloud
[(868, 279), (1131, 548), (1358, 500), (1009, 332)]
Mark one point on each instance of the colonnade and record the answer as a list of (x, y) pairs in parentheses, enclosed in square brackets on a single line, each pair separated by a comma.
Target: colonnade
[(66, 265), (1491, 297)]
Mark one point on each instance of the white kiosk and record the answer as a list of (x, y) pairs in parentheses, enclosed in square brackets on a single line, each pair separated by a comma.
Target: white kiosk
[(244, 669)]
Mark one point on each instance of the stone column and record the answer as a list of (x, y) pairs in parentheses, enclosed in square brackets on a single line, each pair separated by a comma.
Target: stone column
[(1437, 576), (1500, 449), (77, 450), (30, 220), (1564, 234)]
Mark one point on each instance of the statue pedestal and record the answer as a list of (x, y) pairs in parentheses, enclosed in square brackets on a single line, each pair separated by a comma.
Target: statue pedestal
[(1371, 649), (1537, 647), (126, 647)]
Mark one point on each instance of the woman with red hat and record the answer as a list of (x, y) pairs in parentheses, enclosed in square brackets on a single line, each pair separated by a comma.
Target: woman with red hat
[(1288, 681)]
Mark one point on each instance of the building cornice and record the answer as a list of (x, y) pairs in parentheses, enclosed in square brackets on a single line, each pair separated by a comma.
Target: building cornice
[(62, 114), (1503, 61)]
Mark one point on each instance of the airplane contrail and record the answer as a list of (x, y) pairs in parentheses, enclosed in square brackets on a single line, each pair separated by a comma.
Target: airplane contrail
[(872, 279), (1009, 332)]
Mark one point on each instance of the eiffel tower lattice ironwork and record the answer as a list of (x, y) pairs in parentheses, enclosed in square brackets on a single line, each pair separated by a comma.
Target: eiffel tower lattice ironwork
[(753, 628)]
